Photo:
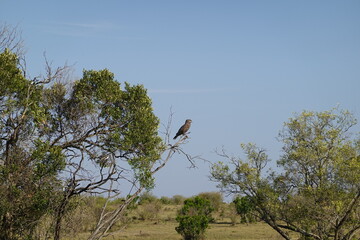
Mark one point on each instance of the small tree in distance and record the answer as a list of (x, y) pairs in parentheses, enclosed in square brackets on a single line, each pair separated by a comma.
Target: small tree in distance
[(194, 218)]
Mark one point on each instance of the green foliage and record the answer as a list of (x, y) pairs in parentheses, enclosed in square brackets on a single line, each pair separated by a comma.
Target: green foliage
[(47, 126), (319, 184), (133, 125), (244, 207), (194, 218), (28, 167), (48, 160), (13, 85), (215, 198)]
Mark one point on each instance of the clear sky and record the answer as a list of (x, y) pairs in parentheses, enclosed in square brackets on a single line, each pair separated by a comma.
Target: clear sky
[(238, 69)]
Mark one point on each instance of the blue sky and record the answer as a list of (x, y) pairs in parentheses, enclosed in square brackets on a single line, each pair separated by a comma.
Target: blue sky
[(238, 69)]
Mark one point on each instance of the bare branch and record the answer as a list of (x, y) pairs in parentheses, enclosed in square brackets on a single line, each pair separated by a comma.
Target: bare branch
[(108, 219), (11, 38), (58, 74)]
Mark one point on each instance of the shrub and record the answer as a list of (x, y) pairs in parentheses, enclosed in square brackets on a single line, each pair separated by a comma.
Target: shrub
[(165, 200), (230, 212), (194, 218), (149, 210), (178, 199), (147, 197), (244, 207), (215, 198)]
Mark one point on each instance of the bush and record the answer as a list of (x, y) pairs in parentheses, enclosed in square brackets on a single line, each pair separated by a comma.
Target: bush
[(149, 210), (147, 197), (165, 200), (178, 199), (194, 218), (244, 207), (232, 214), (215, 198)]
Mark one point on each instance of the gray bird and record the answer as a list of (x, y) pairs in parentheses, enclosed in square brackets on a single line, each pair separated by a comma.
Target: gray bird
[(184, 128)]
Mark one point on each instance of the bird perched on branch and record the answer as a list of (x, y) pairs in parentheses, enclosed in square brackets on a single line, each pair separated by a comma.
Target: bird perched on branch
[(184, 128)]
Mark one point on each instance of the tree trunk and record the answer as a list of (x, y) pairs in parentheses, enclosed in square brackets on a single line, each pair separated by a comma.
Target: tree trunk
[(59, 215)]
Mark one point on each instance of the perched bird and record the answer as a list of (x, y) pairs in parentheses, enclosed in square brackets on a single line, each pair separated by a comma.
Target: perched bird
[(184, 128)]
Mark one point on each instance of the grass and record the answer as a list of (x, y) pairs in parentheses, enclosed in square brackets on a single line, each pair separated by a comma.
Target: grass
[(225, 231), (155, 230), (163, 227)]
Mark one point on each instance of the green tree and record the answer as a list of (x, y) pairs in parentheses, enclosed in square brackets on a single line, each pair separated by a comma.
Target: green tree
[(103, 127), (28, 165), (244, 207), (317, 192), (59, 140), (194, 218)]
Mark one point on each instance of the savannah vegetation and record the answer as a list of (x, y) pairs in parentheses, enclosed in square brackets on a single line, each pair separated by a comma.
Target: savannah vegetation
[(61, 140), (78, 157), (316, 190), (156, 218)]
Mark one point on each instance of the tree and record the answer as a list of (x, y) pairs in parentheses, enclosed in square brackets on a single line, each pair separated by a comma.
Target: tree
[(28, 166), (194, 218), (100, 124), (317, 192), (60, 140), (244, 207)]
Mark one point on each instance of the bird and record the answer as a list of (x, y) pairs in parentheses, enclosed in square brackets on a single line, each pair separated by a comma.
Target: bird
[(184, 128)]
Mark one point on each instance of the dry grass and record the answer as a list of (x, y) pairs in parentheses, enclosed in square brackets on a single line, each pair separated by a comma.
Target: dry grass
[(155, 230), (166, 230)]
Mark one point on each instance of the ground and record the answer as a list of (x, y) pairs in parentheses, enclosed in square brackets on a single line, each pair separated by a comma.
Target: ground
[(162, 226)]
